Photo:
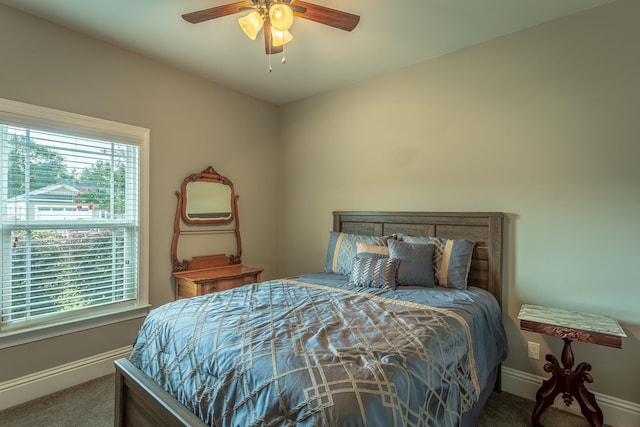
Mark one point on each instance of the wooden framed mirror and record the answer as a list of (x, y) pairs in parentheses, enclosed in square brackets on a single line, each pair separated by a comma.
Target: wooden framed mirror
[(206, 200)]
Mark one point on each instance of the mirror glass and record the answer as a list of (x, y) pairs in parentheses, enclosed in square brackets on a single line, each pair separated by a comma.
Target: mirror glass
[(208, 201)]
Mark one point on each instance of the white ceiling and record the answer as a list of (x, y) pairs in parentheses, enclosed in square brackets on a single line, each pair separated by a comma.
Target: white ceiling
[(320, 58)]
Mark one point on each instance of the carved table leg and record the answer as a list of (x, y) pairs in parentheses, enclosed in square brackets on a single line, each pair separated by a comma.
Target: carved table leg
[(585, 398), (549, 390), (570, 384)]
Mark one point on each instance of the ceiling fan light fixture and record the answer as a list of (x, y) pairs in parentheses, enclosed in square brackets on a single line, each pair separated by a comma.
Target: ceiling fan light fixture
[(276, 17), (279, 38), (281, 16), (251, 24)]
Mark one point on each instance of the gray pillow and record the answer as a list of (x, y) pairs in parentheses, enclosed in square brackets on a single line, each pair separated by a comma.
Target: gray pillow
[(451, 260), (416, 263)]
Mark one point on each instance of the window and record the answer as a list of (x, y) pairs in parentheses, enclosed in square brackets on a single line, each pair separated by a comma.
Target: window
[(73, 201)]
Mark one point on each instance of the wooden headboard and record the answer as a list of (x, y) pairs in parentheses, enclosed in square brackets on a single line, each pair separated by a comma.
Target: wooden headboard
[(483, 227)]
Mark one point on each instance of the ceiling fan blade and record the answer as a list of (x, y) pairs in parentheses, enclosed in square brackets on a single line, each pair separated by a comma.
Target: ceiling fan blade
[(215, 12), (269, 48), (324, 15), (297, 8)]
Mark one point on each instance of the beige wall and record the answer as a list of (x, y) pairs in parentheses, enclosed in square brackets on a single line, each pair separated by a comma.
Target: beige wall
[(193, 124), (542, 124)]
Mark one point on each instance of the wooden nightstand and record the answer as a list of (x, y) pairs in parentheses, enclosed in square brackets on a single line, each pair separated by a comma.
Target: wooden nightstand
[(569, 326), (193, 283)]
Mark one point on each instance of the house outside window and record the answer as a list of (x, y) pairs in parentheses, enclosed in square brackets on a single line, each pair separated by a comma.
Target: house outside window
[(73, 218)]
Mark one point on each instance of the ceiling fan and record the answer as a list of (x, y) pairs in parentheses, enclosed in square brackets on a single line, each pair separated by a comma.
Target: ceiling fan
[(276, 16)]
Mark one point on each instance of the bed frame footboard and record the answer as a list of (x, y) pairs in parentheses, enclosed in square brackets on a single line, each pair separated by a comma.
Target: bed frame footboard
[(140, 402)]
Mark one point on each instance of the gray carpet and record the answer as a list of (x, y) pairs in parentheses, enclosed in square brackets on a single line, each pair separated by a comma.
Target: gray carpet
[(91, 405)]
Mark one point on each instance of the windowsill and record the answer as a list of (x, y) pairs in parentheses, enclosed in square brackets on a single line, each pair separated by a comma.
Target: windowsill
[(12, 338)]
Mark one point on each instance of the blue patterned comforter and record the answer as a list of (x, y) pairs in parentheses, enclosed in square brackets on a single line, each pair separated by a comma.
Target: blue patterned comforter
[(312, 351)]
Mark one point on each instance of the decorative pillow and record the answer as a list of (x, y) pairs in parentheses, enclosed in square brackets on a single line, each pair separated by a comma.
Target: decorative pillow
[(367, 250), (451, 260), (374, 272), (416, 263), (342, 250), (455, 263)]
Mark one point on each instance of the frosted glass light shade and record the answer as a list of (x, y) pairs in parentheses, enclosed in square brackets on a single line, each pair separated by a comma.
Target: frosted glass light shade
[(281, 16), (251, 24), (278, 38)]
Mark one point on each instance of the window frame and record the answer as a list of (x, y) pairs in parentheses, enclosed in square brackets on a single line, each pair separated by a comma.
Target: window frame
[(27, 115)]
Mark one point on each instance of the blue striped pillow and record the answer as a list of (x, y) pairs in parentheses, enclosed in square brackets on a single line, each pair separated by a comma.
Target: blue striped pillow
[(342, 250), (455, 264), (374, 272)]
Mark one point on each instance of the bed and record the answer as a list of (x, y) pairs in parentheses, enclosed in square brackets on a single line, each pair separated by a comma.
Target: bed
[(335, 348)]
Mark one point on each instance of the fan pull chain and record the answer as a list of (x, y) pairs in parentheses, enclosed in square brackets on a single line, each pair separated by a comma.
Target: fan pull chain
[(283, 59)]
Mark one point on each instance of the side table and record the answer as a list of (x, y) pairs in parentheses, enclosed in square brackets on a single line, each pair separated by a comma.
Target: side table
[(569, 326)]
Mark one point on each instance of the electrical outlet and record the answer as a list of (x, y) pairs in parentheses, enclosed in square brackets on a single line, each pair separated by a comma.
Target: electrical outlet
[(533, 350)]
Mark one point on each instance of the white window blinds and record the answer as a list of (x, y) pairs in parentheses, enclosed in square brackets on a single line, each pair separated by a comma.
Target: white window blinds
[(70, 218)]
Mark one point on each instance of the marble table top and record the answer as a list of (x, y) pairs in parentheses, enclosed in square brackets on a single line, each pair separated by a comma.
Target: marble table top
[(571, 319)]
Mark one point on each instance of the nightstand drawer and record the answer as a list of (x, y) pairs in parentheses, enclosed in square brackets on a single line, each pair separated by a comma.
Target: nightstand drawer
[(202, 282), (225, 284), (186, 288)]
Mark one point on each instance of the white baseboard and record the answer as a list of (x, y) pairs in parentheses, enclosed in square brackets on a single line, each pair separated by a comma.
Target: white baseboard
[(32, 386), (617, 412)]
